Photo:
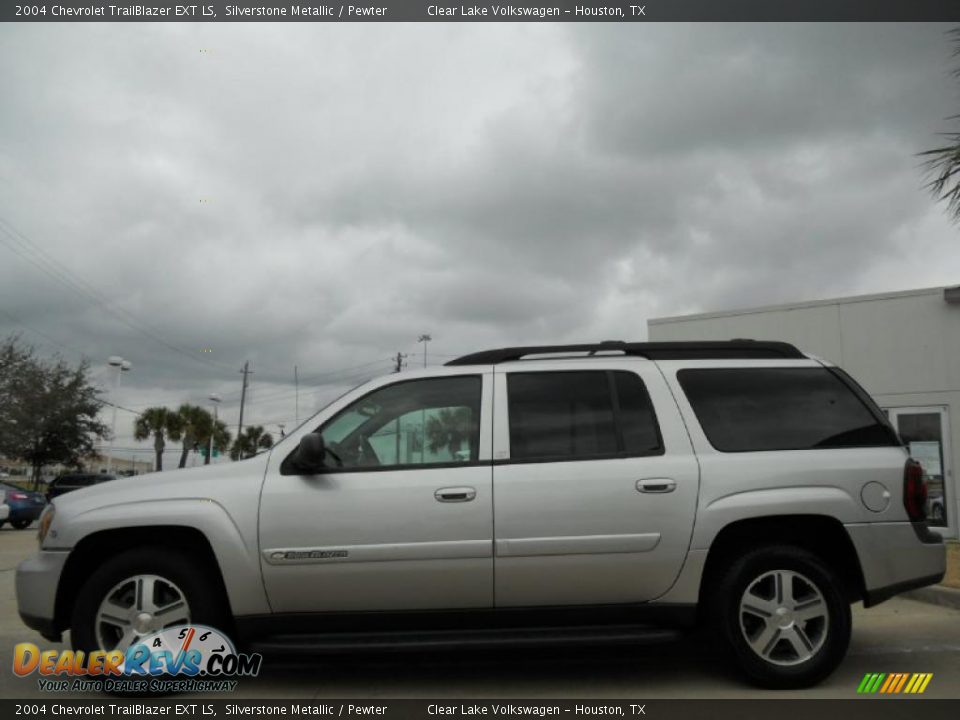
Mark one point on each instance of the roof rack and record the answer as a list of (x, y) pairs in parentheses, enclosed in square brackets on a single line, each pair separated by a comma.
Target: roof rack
[(689, 350)]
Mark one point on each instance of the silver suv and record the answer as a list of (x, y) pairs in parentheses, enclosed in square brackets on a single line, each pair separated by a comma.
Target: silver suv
[(580, 493)]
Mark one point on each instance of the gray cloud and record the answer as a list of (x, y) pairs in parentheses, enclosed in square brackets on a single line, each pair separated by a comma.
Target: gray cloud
[(320, 196)]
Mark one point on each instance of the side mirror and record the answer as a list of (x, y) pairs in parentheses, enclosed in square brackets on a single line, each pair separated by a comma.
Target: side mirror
[(311, 453)]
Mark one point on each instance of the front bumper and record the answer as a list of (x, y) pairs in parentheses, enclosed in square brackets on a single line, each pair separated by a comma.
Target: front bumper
[(37, 581), (896, 557)]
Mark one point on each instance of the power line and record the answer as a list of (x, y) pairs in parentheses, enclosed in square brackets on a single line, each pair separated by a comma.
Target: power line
[(310, 379), (43, 261), (119, 407), (42, 334)]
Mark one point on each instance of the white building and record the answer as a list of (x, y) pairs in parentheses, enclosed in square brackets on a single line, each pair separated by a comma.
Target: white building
[(903, 347)]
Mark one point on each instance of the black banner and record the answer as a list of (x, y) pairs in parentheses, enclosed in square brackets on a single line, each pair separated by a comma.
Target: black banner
[(415, 11), (874, 709)]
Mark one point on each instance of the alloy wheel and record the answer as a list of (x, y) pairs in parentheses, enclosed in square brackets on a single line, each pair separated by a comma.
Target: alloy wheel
[(137, 607), (784, 617)]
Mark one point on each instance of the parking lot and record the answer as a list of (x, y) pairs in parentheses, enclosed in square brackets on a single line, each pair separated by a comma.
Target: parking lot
[(898, 636)]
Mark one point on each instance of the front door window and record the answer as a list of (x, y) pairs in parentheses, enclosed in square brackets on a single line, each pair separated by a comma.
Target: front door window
[(415, 422)]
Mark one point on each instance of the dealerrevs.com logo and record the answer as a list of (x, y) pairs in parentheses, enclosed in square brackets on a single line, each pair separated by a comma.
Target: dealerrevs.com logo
[(184, 658)]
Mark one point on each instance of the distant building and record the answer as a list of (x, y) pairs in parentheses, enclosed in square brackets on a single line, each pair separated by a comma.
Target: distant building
[(903, 347)]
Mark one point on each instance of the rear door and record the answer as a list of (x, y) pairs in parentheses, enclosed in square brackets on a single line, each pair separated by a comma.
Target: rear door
[(595, 483)]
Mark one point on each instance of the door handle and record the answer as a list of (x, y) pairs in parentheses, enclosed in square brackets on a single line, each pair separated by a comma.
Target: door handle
[(455, 494), (656, 485)]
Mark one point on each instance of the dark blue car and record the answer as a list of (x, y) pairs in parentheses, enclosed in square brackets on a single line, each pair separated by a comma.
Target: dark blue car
[(25, 506)]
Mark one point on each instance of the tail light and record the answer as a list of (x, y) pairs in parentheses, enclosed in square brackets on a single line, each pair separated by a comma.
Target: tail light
[(17, 496), (915, 491)]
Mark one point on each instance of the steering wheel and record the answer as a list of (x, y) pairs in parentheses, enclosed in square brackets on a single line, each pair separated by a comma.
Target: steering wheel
[(370, 458)]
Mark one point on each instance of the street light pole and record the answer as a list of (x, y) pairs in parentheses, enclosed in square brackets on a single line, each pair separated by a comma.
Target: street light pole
[(122, 366), (215, 399), (424, 339)]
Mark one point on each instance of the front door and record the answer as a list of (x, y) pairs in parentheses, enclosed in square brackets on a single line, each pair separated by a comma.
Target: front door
[(595, 484), (402, 519), (926, 433)]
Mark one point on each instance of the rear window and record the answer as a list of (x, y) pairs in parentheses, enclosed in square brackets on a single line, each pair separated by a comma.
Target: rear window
[(755, 409)]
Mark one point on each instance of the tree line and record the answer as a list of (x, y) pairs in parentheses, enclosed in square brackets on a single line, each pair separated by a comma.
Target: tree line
[(197, 431), (48, 409), (49, 415)]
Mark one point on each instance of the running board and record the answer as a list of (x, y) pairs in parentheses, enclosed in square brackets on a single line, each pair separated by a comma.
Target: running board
[(456, 639)]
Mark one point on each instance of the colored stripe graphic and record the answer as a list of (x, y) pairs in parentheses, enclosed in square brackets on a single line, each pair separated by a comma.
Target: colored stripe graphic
[(894, 683), (903, 681)]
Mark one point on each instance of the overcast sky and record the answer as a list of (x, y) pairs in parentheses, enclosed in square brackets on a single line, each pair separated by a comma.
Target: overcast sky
[(320, 195)]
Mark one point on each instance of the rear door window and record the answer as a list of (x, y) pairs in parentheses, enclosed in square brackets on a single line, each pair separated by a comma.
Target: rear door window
[(755, 409), (580, 415)]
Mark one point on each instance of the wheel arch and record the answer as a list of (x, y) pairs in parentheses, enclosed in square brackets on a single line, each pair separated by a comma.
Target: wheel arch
[(91, 550), (822, 535)]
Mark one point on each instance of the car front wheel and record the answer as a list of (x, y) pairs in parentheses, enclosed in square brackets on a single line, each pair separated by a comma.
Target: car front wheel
[(782, 616), (140, 592)]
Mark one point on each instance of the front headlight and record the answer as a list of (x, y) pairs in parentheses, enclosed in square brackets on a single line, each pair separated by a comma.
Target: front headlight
[(46, 519)]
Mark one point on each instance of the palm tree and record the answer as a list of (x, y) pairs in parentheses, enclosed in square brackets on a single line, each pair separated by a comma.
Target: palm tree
[(449, 429), (196, 424), (251, 441), (160, 422), (221, 440), (943, 163)]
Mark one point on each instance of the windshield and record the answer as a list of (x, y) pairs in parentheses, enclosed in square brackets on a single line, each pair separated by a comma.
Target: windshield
[(312, 416)]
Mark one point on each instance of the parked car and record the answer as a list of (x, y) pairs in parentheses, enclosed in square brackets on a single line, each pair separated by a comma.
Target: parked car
[(75, 481), (25, 505), (610, 488), (936, 509)]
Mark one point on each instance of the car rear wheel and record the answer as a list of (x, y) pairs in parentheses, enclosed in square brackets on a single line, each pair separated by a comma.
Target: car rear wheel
[(782, 616), (21, 524), (139, 592)]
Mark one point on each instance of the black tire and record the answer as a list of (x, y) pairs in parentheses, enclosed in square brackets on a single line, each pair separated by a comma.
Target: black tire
[(731, 625), (191, 577), (21, 524)]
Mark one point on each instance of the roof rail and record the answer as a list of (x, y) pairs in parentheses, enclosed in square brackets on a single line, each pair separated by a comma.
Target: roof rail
[(686, 350)]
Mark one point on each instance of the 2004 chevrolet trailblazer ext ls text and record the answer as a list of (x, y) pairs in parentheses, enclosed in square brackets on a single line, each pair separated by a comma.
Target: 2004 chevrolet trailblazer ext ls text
[(525, 495)]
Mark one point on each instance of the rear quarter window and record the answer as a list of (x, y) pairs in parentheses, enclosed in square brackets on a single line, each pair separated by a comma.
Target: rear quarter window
[(756, 409)]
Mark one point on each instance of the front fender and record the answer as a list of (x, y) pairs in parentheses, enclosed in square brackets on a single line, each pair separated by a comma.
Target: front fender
[(235, 550)]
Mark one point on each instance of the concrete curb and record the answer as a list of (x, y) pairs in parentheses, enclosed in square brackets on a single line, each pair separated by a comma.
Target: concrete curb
[(936, 595)]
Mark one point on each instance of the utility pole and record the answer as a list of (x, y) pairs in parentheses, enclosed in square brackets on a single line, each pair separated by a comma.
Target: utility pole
[(243, 396), (296, 389), (399, 362), (424, 339)]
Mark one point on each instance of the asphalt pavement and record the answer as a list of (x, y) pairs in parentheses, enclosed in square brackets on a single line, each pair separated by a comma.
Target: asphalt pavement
[(898, 636)]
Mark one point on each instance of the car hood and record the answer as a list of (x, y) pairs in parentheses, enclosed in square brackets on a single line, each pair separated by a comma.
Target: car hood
[(211, 482)]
